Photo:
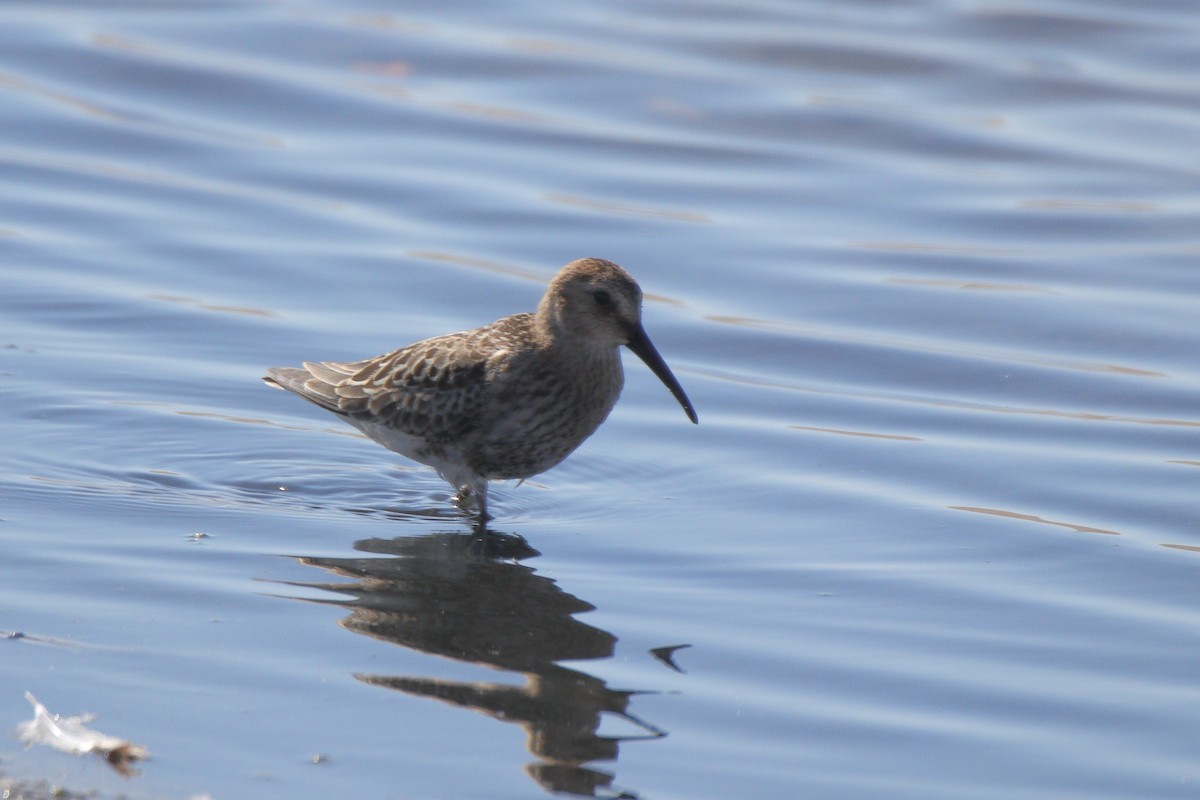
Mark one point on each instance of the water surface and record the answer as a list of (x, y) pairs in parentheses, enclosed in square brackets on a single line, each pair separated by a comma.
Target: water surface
[(928, 272)]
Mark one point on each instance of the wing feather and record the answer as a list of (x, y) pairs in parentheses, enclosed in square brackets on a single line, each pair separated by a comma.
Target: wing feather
[(435, 389)]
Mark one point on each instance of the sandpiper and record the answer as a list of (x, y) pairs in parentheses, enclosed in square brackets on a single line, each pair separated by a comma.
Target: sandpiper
[(509, 400)]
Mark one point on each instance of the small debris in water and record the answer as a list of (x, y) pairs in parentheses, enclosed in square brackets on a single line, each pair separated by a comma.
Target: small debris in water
[(667, 655), (70, 735)]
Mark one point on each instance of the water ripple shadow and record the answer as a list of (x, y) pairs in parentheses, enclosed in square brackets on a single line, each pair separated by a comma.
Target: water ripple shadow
[(997, 512)]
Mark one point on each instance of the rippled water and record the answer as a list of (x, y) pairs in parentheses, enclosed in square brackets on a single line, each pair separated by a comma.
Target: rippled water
[(928, 270)]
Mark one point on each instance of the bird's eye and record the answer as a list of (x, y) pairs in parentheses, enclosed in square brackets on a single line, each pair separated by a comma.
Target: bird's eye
[(602, 298)]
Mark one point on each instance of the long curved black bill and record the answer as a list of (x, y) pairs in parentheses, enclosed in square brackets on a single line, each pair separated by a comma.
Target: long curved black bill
[(640, 344)]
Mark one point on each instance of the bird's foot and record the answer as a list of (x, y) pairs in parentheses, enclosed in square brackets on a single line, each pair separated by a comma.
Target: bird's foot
[(466, 498), (469, 499)]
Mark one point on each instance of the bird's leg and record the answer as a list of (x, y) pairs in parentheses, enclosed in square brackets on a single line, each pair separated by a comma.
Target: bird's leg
[(475, 494), (462, 498), (481, 500)]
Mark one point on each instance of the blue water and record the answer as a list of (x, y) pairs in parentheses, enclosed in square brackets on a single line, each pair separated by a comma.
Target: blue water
[(928, 271)]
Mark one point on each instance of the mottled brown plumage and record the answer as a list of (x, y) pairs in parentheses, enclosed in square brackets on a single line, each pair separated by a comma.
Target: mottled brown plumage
[(508, 400)]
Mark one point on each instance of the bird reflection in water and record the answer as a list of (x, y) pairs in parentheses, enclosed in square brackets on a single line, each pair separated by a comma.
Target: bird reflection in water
[(466, 597)]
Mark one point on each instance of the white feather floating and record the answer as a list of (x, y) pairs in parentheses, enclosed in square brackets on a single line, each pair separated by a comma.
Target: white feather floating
[(71, 735)]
